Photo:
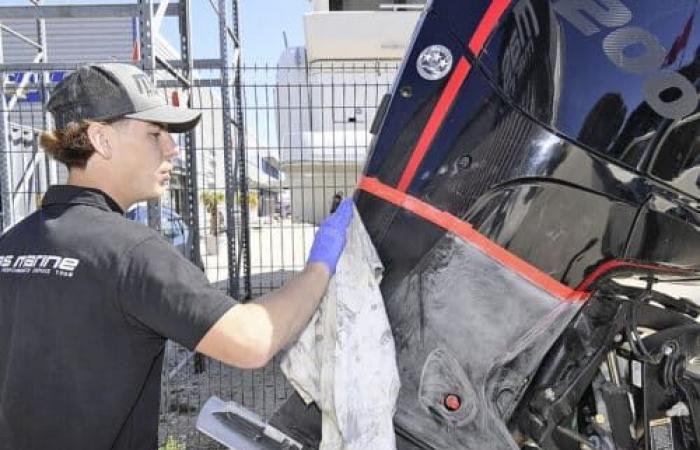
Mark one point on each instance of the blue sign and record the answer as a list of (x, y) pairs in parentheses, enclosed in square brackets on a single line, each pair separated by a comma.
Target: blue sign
[(31, 95)]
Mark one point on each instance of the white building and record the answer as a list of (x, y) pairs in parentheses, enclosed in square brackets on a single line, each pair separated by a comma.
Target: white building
[(328, 92)]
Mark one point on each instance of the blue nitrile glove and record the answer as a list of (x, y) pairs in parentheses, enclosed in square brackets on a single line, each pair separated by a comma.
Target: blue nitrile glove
[(330, 237)]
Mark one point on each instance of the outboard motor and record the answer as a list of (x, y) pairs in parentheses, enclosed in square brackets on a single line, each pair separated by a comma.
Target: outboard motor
[(530, 150)]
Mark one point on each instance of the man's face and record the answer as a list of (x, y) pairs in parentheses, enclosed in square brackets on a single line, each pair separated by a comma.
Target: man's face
[(142, 158)]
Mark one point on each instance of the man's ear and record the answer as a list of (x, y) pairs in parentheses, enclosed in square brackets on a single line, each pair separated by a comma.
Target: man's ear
[(101, 139)]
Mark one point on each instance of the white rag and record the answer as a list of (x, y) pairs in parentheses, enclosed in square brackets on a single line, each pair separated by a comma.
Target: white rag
[(345, 360)]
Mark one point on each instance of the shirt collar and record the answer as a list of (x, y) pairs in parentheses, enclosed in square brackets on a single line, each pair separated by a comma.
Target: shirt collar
[(77, 195)]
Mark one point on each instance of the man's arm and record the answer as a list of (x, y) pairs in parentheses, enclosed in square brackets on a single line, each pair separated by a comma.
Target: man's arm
[(250, 334)]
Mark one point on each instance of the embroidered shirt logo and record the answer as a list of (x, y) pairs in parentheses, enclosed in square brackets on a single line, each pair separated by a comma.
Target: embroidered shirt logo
[(38, 264)]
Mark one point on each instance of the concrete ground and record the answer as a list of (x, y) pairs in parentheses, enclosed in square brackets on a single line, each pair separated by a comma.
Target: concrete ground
[(278, 247)]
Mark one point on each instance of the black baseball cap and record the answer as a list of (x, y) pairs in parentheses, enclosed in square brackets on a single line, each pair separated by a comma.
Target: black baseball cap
[(111, 91)]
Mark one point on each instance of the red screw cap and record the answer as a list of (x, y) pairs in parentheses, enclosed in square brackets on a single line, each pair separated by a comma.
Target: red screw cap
[(453, 402)]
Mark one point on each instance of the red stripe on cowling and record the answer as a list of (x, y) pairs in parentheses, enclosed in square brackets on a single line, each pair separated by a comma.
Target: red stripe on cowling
[(449, 94), (488, 22), (437, 117), (464, 230), (615, 264)]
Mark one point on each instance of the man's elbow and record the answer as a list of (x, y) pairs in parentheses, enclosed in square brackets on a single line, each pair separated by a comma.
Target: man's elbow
[(242, 356), (256, 341), (263, 361), (255, 358)]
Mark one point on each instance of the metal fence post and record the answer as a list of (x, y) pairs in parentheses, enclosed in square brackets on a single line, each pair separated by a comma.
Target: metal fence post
[(241, 158), (191, 207), (148, 65), (233, 284), (5, 161), (50, 164)]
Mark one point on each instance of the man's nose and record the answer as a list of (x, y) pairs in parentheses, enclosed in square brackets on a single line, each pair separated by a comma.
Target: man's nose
[(171, 149)]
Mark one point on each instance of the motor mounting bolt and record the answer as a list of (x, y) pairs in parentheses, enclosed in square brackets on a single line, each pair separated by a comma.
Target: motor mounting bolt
[(464, 162), (452, 402)]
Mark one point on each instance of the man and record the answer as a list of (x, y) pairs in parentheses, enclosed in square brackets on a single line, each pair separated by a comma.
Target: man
[(337, 198), (87, 297)]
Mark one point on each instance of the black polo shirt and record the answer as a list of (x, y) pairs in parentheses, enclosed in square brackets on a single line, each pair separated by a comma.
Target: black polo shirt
[(87, 299)]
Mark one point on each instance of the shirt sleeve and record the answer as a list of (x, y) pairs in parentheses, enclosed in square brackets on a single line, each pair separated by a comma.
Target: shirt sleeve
[(161, 290)]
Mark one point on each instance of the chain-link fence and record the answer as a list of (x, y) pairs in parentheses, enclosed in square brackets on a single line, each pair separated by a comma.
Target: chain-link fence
[(297, 145)]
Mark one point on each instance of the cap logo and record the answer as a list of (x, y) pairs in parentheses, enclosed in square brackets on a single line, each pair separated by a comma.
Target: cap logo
[(144, 85)]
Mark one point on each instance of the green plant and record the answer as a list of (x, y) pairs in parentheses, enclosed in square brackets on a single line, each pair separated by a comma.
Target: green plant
[(212, 200), (252, 199), (172, 443)]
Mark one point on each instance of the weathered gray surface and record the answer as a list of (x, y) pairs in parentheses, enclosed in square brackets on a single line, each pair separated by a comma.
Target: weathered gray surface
[(466, 325)]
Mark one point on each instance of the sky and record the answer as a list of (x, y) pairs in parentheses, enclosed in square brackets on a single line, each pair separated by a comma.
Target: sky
[(262, 23)]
